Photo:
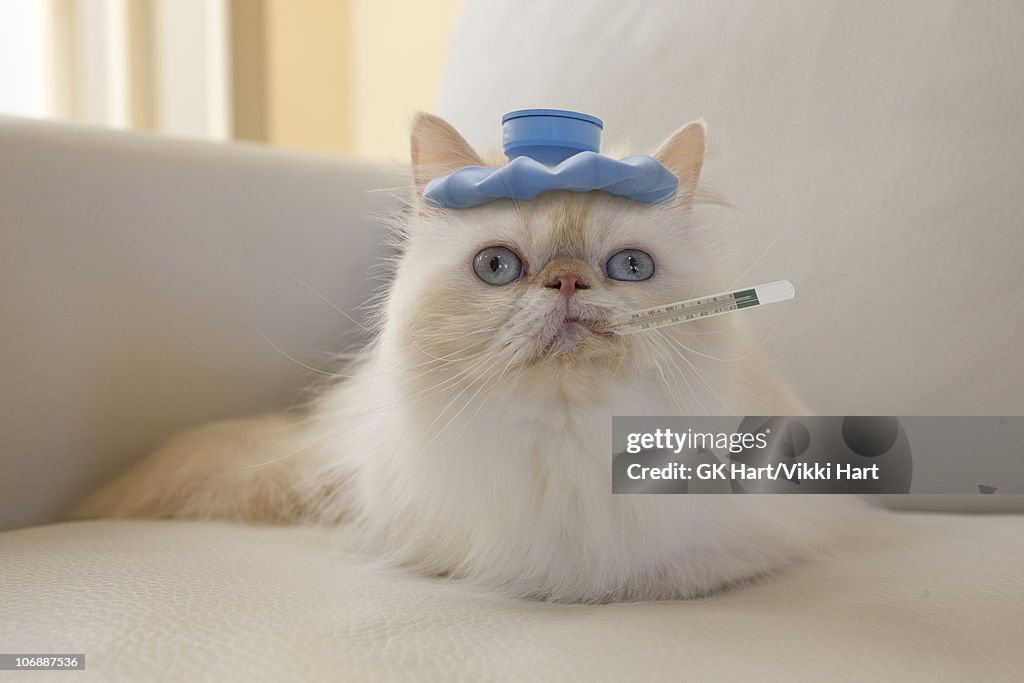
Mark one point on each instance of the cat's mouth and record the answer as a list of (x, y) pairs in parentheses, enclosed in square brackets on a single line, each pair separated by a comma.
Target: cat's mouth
[(572, 331)]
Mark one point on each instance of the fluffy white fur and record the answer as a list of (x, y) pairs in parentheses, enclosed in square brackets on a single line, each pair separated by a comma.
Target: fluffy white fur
[(472, 439)]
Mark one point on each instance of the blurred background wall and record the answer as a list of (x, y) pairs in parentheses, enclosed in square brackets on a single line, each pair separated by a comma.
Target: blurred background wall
[(340, 76)]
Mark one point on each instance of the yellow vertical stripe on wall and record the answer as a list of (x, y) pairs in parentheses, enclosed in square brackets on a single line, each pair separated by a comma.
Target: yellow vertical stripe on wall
[(398, 52), (63, 63), (307, 74), (248, 70), (141, 64)]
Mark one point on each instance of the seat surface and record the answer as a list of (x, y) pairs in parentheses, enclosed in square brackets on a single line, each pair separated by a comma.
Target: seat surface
[(923, 597)]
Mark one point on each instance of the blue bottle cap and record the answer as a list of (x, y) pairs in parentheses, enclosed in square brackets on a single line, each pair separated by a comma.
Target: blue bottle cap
[(553, 149), (550, 136)]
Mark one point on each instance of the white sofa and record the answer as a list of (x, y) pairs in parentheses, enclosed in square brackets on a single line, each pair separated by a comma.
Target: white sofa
[(928, 598), (147, 285)]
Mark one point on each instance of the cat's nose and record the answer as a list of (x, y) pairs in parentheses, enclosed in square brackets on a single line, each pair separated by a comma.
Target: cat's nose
[(567, 282)]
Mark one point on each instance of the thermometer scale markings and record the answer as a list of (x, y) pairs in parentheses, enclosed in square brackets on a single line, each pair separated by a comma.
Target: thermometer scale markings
[(703, 307)]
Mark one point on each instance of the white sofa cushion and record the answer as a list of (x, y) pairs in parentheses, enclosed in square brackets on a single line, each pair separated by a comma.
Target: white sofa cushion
[(925, 597)]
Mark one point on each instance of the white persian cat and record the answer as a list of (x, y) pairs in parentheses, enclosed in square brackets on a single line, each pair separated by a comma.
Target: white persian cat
[(473, 437)]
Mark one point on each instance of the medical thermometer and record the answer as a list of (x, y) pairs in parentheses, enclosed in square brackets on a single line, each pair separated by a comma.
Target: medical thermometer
[(704, 307)]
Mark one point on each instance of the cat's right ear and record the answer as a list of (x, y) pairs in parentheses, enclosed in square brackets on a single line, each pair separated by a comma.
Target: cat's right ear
[(437, 150)]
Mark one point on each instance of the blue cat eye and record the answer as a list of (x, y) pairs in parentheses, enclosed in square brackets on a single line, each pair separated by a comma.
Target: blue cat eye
[(630, 265), (497, 266)]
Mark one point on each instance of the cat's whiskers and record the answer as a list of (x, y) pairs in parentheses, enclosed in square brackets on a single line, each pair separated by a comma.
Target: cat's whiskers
[(421, 394), (737, 358), (623, 352), (299, 362), (656, 354), (740, 386), (483, 377), (681, 352), (758, 259), (426, 392), (497, 383), (483, 384), (320, 439), (652, 353), (480, 359), (680, 372), (720, 330), (376, 332), (460, 378), (702, 379), (443, 362), (673, 353), (440, 362)]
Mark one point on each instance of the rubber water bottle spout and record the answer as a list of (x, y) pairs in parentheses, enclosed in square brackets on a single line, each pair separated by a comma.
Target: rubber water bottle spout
[(550, 136)]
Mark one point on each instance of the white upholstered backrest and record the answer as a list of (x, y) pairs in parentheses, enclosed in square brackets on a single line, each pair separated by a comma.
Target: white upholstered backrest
[(885, 138)]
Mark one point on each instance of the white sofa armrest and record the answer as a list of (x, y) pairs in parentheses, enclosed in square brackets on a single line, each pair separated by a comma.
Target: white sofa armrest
[(138, 277)]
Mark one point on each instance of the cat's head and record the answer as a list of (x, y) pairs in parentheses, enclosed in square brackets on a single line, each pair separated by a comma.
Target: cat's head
[(520, 288)]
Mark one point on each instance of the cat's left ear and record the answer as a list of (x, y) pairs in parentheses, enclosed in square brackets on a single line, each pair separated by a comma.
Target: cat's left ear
[(437, 150), (683, 154)]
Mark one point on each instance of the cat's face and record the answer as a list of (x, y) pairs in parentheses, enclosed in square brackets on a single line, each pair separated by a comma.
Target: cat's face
[(514, 288)]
